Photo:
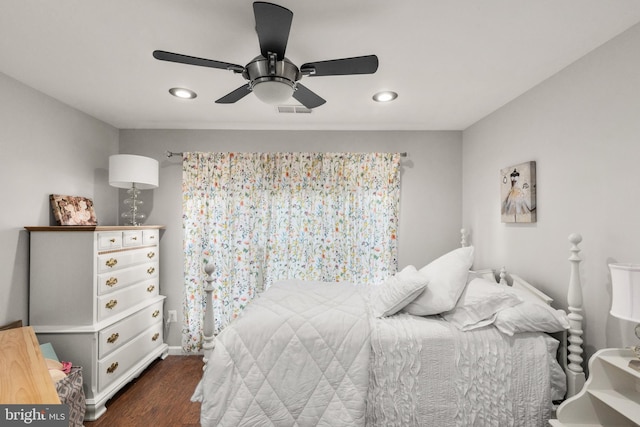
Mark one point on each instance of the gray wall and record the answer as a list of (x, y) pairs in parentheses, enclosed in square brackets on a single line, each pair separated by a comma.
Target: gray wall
[(45, 147), (48, 147), (582, 127), (431, 203)]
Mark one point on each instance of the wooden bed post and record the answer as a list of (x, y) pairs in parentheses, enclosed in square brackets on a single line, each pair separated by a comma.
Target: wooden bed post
[(207, 330), (575, 373)]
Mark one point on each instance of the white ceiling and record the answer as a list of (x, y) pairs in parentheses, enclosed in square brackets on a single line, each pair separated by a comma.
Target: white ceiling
[(451, 61)]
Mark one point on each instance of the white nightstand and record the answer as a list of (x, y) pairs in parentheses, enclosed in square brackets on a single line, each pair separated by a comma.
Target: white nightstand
[(610, 397)]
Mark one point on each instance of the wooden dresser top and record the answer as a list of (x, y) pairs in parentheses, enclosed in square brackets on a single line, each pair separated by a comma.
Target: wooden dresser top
[(92, 227)]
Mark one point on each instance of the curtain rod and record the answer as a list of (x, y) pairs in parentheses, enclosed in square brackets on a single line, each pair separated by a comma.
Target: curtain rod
[(171, 154)]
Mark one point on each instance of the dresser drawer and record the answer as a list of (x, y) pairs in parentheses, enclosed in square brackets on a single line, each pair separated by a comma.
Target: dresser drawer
[(121, 360), (109, 240), (150, 237), (109, 282), (131, 238), (123, 259), (117, 335), (119, 301)]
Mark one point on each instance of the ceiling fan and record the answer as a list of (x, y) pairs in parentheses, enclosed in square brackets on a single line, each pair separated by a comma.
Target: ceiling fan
[(272, 77)]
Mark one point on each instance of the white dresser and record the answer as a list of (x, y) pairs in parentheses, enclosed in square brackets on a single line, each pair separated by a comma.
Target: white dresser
[(94, 294)]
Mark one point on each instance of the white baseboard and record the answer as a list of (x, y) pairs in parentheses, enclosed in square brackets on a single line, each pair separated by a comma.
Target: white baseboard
[(177, 351)]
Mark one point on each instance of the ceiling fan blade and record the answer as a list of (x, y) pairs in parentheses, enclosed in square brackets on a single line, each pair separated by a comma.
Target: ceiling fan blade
[(340, 67), (306, 97), (236, 95), (192, 60), (273, 23)]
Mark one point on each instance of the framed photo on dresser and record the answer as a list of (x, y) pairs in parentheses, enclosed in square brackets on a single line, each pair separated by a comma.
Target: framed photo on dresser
[(72, 210)]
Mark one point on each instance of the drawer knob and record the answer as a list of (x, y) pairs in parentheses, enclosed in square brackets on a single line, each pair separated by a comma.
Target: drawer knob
[(155, 336), (134, 238), (151, 255), (113, 338), (111, 262), (112, 240), (112, 281), (111, 369), (151, 288), (156, 313), (150, 270), (111, 304), (152, 237)]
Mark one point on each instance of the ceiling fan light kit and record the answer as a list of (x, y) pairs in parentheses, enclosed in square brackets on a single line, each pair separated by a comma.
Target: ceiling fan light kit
[(272, 77), (272, 81)]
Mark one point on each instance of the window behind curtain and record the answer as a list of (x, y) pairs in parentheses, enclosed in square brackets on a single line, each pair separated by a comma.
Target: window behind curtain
[(309, 216)]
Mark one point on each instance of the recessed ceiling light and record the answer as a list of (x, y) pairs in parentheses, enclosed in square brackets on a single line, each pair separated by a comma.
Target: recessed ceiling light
[(182, 93), (385, 96)]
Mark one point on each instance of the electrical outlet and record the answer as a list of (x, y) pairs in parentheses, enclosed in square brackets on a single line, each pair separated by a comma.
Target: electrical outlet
[(173, 316)]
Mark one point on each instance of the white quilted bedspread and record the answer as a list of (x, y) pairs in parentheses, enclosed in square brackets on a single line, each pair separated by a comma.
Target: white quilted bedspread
[(306, 364)]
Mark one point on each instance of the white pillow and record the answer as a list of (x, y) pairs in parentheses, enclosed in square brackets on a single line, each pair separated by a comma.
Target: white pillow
[(447, 278), (479, 303), (397, 291), (532, 315)]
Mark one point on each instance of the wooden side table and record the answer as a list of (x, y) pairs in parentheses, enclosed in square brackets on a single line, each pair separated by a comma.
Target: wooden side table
[(24, 377)]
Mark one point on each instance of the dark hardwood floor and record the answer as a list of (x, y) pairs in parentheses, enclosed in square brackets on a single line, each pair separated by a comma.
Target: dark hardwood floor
[(159, 397)]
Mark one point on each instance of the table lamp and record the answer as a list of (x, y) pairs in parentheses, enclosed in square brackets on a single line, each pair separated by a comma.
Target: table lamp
[(134, 173), (625, 299)]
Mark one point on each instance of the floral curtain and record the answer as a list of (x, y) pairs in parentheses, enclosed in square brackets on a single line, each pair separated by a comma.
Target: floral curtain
[(311, 216)]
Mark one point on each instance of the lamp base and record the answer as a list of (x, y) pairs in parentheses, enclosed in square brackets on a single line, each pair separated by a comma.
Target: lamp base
[(635, 363), (132, 216)]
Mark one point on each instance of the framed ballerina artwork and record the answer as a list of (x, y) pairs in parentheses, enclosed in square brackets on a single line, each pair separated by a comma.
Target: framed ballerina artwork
[(72, 210), (518, 193)]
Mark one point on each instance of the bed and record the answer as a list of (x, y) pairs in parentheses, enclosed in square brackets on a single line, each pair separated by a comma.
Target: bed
[(313, 353)]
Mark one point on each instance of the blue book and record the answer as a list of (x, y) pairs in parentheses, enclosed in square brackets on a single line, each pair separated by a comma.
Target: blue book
[(48, 352)]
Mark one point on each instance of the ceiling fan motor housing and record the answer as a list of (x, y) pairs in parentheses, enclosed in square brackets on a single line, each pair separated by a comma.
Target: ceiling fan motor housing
[(262, 69)]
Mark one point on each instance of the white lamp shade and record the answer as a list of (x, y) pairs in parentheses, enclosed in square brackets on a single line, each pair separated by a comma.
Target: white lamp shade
[(625, 291), (128, 169)]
